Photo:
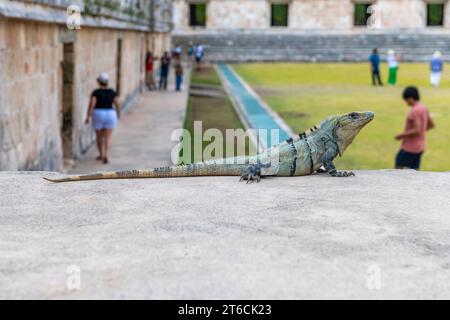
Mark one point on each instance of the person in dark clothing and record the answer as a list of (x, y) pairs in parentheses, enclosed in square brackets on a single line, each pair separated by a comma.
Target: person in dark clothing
[(104, 110), (165, 64), (177, 65), (375, 64)]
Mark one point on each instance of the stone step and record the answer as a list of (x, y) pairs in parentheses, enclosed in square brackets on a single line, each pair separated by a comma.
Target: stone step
[(297, 47)]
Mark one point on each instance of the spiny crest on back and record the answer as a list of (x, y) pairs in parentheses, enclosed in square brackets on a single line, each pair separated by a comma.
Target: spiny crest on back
[(323, 125), (310, 131)]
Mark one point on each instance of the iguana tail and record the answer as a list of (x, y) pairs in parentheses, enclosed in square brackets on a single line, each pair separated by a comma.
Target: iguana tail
[(190, 170)]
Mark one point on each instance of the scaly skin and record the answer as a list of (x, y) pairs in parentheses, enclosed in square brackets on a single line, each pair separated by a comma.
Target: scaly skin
[(311, 151)]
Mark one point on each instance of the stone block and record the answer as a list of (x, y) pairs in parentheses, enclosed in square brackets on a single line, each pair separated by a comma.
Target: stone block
[(2, 34), (11, 163), (20, 153), (15, 35), (32, 36), (9, 135), (9, 66), (19, 94)]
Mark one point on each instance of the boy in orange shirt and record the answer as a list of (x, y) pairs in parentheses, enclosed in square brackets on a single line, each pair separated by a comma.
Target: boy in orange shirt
[(413, 138)]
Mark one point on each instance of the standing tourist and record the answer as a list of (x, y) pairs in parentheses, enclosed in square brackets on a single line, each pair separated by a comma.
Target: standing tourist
[(392, 61), (436, 66), (149, 67), (177, 50), (190, 50), (165, 64), (375, 64), (199, 53), (104, 116), (178, 71), (413, 137)]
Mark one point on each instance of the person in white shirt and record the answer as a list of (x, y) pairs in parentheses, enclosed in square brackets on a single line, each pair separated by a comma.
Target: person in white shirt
[(392, 60), (199, 53)]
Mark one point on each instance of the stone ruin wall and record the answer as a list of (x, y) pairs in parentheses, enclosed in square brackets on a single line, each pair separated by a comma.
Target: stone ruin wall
[(30, 97), (31, 85), (326, 15)]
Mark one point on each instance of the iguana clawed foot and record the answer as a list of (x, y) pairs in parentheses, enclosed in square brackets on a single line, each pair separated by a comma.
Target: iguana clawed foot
[(252, 173), (342, 174)]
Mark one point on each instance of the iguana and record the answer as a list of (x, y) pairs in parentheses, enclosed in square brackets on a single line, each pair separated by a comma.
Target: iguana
[(310, 151)]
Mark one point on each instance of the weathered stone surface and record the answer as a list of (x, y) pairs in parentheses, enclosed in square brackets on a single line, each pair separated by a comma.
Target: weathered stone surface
[(330, 15), (161, 16), (216, 238), (247, 14), (29, 106), (321, 15), (314, 46), (54, 11)]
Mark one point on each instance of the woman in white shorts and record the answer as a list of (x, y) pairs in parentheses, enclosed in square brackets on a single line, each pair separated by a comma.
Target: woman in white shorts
[(104, 109)]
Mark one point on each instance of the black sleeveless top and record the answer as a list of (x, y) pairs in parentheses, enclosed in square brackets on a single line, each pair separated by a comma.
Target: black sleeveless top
[(105, 98)]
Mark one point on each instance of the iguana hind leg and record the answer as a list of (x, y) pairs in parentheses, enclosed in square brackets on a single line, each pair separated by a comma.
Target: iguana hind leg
[(252, 173)]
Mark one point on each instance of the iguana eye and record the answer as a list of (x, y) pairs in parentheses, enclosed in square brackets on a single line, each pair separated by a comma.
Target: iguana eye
[(354, 115)]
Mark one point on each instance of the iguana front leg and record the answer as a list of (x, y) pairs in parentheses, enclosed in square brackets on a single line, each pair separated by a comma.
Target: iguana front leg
[(331, 168), (253, 172)]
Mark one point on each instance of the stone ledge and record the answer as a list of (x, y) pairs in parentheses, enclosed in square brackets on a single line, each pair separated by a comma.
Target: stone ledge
[(57, 14), (257, 46), (215, 238), (316, 32)]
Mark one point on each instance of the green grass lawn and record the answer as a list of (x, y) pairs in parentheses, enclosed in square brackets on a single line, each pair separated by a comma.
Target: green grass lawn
[(214, 113), (305, 94), (206, 75)]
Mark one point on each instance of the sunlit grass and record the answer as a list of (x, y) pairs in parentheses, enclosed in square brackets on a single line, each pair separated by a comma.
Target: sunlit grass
[(305, 94)]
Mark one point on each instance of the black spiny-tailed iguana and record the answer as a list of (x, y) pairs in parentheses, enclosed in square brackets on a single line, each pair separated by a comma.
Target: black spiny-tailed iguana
[(310, 151)]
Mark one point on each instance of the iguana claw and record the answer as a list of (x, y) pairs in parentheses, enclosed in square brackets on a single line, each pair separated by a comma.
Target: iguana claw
[(252, 173), (342, 174)]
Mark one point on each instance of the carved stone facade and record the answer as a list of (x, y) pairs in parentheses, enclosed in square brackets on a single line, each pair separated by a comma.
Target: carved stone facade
[(313, 30), (48, 72), (161, 15), (328, 15)]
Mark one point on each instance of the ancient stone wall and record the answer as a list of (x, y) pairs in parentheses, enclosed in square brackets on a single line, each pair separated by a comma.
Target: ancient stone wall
[(246, 14), (30, 56), (330, 15), (402, 14), (321, 15), (47, 74), (180, 15), (161, 16), (160, 42)]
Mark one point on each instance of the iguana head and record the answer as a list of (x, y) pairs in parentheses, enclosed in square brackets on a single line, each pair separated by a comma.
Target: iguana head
[(347, 126)]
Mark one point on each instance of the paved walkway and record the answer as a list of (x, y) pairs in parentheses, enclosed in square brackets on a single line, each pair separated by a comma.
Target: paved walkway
[(142, 139), (253, 111)]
